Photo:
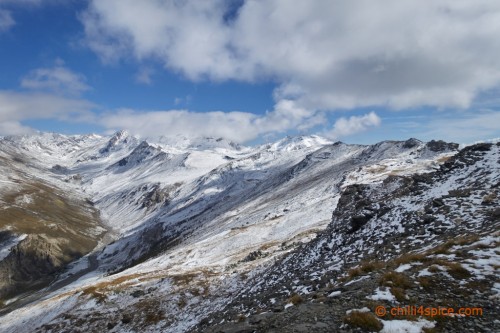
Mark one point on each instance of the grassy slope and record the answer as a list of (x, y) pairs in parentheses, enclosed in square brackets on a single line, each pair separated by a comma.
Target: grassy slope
[(60, 228)]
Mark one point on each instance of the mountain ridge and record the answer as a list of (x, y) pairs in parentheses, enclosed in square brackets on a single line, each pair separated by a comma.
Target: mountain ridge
[(213, 213)]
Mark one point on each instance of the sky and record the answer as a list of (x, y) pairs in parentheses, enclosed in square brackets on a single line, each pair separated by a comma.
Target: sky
[(252, 71)]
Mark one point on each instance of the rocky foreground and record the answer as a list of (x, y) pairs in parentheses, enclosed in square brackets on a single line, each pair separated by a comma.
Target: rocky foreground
[(428, 240)]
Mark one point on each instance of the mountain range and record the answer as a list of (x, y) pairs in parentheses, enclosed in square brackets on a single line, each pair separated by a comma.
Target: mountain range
[(119, 234)]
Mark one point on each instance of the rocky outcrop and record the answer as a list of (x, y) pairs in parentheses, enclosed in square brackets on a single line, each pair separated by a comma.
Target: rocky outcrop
[(441, 146), (418, 239), (32, 263)]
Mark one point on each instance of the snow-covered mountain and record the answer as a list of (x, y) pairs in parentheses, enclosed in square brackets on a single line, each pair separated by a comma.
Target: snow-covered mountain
[(184, 225)]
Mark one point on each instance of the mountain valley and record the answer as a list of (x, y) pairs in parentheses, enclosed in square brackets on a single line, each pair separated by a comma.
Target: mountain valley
[(121, 234)]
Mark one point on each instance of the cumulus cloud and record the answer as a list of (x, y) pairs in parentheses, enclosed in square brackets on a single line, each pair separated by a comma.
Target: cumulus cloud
[(352, 125), (236, 126), (324, 54), (58, 79), (16, 107), (6, 20), (14, 128)]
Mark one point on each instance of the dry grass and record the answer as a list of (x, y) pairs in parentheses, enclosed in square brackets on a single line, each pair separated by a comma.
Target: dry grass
[(399, 294), (99, 290), (457, 271), (364, 320), (434, 269), (458, 241), (52, 213), (96, 293), (150, 310), (268, 245), (426, 282), (443, 159), (295, 299), (364, 267), (394, 279), (183, 279), (409, 258), (485, 246)]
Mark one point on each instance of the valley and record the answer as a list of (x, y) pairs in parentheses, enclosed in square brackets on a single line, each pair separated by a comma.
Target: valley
[(204, 235)]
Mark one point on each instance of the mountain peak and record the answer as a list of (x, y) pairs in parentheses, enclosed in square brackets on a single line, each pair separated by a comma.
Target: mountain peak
[(120, 138), (290, 143)]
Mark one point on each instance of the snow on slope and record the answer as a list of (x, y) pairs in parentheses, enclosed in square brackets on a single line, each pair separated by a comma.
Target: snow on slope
[(182, 207)]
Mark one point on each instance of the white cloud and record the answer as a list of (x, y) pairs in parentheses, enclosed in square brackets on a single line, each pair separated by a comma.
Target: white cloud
[(6, 20), (58, 79), (324, 54), (144, 76), (236, 126), (14, 128), (16, 106), (462, 128), (347, 126)]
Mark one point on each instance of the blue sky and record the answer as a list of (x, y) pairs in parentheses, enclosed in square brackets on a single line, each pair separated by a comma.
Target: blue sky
[(252, 71)]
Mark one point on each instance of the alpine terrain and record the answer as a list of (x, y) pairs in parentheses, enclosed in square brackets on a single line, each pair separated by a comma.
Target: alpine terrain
[(120, 234)]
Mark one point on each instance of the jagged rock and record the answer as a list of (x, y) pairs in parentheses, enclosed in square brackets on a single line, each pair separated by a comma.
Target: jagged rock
[(411, 143), (441, 146)]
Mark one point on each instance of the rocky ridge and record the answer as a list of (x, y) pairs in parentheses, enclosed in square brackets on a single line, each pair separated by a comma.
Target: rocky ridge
[(423, 240)]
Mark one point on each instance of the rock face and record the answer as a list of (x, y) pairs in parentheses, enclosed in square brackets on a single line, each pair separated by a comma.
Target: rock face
[(437, 146), (31, 264), (43, 231), (154, 196), (410, 143)]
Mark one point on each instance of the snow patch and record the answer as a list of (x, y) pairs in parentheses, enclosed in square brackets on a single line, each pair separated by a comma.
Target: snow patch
[(406, 326)]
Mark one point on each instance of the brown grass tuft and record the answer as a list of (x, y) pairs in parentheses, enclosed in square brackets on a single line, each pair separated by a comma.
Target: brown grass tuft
[(364, 320), (394, 279), (295, 299), (364, 267), (399, 293), (457, 271)]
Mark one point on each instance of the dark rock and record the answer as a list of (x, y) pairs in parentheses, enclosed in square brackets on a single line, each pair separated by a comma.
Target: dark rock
[(127, 318), (358, 221), (411, 143), (137, 293), (277, 308), (437, 202), (441, 146)]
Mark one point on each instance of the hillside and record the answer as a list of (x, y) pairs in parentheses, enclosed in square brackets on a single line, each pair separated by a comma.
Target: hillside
[(208, 235)]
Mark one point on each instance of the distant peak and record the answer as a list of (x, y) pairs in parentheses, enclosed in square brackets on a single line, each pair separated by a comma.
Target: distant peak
[(197, 143), (411, 142), (121, 134), (290, 143), (115, 140)]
